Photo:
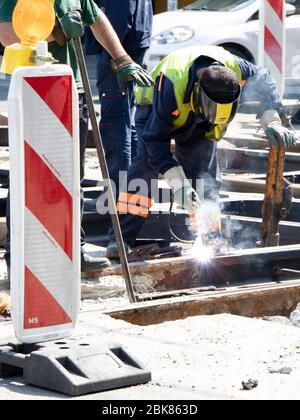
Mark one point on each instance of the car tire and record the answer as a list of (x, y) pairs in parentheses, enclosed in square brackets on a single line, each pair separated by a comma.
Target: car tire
[(239, 52)]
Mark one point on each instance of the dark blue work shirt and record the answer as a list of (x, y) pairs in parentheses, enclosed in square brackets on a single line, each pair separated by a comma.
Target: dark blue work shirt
[(132, 21), (158, 130)]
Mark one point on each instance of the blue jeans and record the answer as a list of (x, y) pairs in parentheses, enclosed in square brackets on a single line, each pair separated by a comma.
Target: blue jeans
[(117, 125)]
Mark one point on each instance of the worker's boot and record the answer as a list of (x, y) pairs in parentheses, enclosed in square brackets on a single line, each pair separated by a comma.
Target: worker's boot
[(112, 250), (4, 304), (89, 263)]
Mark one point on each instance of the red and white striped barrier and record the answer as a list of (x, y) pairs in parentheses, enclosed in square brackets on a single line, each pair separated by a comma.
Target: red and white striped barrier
[(45, 202), (273, 39)]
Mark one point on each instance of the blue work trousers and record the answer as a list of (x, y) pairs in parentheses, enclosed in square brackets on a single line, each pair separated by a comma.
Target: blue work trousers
[(117, 116)]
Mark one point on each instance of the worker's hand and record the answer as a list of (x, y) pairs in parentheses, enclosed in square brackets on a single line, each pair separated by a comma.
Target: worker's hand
[(127, 70), (187, 199), (4, 304), (183, 193), (70, 26), (279, 135)]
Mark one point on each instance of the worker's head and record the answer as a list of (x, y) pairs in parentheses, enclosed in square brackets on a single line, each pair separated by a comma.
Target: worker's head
[(216, 94)]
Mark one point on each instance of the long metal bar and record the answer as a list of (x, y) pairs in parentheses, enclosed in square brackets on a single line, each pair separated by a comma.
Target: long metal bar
[(279, 271), (104, 169)]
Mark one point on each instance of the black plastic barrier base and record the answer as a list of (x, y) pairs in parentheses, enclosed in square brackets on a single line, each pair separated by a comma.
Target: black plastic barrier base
[(73, 367)]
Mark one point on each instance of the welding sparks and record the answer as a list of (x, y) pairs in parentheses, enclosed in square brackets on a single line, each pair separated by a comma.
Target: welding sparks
[(206, 224), (204, 254)]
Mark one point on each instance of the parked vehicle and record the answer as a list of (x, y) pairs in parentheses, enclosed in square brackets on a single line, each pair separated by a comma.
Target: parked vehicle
[(233, 24)]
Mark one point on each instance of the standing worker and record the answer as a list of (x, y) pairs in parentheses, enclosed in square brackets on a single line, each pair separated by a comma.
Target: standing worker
[(195, 97), (132, 21), (71, 16)]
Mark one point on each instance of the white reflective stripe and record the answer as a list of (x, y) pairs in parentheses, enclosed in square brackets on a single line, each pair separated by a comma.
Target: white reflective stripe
[(48, 136), (48, 262), (274, 23)]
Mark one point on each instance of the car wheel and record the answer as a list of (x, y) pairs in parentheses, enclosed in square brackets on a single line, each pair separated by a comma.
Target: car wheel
[(239, 51)]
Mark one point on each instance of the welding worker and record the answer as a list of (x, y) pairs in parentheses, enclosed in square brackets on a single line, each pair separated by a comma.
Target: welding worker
[(72, 16), (196, 95), (132, 21)]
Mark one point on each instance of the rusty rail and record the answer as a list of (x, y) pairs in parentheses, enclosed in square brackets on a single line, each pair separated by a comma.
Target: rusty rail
[(268, 299)]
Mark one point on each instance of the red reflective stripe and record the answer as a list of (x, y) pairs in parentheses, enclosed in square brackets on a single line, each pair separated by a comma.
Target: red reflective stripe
[(124, 208), (135, 204), (56, 92), (40, 307), (176, 113), (138, 211), (277, 6), (135, 199), (273, 49), (48, 200)]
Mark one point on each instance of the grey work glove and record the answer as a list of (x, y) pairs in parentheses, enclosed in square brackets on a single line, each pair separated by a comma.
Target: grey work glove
[(127, 70), (276, 133), (183, 193), (68, 27), (187, 199)]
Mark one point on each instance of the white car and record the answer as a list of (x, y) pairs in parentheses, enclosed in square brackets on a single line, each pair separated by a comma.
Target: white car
[(232, 24)]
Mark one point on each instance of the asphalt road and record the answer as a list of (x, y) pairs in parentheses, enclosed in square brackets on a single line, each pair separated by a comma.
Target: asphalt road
[(198, 358)]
